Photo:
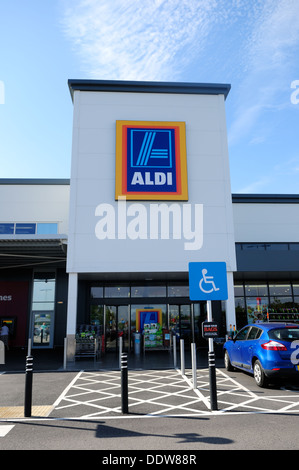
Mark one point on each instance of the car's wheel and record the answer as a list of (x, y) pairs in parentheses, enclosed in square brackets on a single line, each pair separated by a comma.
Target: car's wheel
[(227, 363), (259, 374)]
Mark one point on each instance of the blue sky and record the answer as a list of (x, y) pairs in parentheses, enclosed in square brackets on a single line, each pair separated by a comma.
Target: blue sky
[(251, 44)]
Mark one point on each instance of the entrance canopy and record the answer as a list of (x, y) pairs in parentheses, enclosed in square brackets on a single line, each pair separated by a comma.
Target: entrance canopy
[(28, 251)]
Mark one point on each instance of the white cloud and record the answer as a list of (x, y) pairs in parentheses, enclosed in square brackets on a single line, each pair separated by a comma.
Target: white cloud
[(257, 186), (154, 39), (139, 40), (252, 44), (275, 33), (276, 177), (158, 39), (271, 56)]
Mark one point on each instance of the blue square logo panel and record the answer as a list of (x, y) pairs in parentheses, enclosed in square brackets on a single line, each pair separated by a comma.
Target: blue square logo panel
[(208, 281), (151, 160)]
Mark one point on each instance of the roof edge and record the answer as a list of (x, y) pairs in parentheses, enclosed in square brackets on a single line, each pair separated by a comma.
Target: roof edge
[(34, 181), (265, 198), (148, 87)]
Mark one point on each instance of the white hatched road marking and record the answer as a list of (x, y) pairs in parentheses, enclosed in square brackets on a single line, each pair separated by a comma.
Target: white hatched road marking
[(4, 429), (165, 392)]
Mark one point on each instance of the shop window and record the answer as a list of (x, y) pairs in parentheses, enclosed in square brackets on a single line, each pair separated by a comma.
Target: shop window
[(117, 291), (278, 304), (256, 290), (241, 314), (280, 289), (25, 229), (178, 290), (28, 228), (256, 309), (149, 320), (296, 289), (96, 315), (7, 229), (239, 290), (43, 307), (96, 292), (43, 294), (240, 304), (46, 229), (296, 303), (148, 291)]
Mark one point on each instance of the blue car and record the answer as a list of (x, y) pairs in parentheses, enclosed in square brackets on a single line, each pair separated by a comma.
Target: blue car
[(266, 350)]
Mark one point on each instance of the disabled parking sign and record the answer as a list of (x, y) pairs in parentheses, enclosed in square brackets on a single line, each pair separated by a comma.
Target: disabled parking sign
[(208, 281)]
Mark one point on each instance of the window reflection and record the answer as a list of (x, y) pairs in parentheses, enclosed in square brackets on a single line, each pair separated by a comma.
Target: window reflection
[(257, 290), (178, 290), (117, 291), (148, 291), (280, 303), (43, 308), (256, 309), (280, 289), (239, 290), (263, 300), (96, 292)]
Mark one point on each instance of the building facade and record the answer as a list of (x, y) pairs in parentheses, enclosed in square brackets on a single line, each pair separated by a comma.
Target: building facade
[(149, 193), (33, 248)]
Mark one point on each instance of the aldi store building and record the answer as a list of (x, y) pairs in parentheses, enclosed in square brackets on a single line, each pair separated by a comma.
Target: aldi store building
[(149, 192)]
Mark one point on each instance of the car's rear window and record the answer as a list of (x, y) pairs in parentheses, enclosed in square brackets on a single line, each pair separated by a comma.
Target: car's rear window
[(284, 334)]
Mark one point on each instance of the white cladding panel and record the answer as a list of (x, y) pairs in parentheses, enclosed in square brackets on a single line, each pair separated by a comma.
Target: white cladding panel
[(45, 203), (93, 184), (266, 223)]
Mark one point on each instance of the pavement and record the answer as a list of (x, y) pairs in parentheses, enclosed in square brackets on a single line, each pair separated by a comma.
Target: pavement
[(52, 360)]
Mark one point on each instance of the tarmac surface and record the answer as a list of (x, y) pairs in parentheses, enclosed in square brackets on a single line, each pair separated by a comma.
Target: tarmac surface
[(154, 385), (80, 407), (157, 387)]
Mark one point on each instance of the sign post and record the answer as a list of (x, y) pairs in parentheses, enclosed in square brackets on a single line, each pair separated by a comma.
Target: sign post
[(208, 281), (212, 365)]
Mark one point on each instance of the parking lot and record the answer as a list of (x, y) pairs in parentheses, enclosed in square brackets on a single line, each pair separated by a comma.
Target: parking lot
[(154, 393), (63, 400), (93, 390), (168, 393)]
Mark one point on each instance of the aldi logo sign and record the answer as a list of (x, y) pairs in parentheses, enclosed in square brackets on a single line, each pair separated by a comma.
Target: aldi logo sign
[(151, 161)]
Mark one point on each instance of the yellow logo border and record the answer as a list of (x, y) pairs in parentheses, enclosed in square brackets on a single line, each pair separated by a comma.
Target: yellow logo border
[(181, 161)]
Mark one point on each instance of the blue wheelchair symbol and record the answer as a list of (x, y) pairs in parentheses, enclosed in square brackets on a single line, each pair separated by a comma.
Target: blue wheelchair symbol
[(207, 280)]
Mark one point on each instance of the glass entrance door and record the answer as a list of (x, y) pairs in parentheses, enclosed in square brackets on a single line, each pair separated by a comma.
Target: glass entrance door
[(123, 325), (180, 323), (110, 328), (43, 309), (42, 329), (116, 325)]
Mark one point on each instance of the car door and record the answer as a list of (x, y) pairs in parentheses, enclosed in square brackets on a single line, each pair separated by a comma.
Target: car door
[(237, 346), (249, 346)]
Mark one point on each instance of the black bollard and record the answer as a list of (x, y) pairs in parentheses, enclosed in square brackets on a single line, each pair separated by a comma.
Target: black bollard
[(28, 386), (213, 388), (124, 384)]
